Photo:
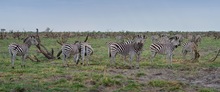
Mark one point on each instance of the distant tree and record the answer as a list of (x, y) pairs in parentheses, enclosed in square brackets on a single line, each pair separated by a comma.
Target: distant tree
[(47, 29)]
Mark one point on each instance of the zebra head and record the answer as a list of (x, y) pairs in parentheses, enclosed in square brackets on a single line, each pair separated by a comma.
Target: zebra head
[(31, 40), (139, 41), (175, 41)]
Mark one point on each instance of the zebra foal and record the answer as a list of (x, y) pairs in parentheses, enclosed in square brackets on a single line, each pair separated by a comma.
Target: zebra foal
[(131, 47), (165, 49), (21, 49)]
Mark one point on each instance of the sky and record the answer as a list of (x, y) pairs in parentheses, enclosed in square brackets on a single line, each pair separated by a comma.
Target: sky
[(110, 15)]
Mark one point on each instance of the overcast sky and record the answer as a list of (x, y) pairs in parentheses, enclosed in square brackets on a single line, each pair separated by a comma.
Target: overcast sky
[(110, 15)]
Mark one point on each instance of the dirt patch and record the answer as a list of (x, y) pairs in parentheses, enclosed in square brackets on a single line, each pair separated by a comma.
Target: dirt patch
[(204, 77)]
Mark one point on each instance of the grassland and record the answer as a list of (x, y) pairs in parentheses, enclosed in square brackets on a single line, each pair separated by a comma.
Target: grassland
[(100, 76)]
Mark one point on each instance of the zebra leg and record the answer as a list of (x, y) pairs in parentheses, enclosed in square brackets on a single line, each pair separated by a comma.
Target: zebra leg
[(64, 60), (76, 58), (12, 60), (169, 57), (83, 57), (131, 58), (193, 55), (23, 61), (112, 60), (184, 54), (152, 56)]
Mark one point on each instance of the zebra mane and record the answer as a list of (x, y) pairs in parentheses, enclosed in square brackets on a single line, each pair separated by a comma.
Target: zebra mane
[(129, 41), (26, 39)]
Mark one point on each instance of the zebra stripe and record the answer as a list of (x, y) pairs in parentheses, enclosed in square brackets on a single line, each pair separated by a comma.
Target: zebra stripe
[(16, 48)]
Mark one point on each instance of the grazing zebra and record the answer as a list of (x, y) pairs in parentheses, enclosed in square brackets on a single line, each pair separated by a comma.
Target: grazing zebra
[(21, 49), (131, 48), (165, 49), (86, 51), (70, 49), (191, 47)]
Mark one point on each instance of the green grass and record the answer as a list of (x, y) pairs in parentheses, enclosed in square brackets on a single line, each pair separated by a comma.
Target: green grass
[(207, 90), (49, 75), (167, 85)]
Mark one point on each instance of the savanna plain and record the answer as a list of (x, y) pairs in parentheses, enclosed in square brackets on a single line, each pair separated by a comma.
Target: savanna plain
[(49, 75)]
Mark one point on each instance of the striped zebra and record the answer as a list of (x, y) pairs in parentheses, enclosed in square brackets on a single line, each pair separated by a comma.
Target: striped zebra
[(83, 50), (165, 49), (130, 47), (192, 47), (21, 49), (70, 49), (86, 51)]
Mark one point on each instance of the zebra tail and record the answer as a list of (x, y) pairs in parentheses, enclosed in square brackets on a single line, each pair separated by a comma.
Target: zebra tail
[(58, 54), (86, 38)]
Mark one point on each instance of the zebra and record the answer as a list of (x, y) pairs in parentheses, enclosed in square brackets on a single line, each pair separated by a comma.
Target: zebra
[(130, 47), (86, 51), (165, 49), (191, 46), (21, 49), (70, 49), (83, 50)]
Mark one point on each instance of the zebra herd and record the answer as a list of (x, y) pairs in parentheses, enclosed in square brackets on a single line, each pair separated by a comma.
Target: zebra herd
[(160, 45)]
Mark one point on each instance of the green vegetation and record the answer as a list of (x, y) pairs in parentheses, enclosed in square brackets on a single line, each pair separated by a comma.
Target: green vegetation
[(50, 75)]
